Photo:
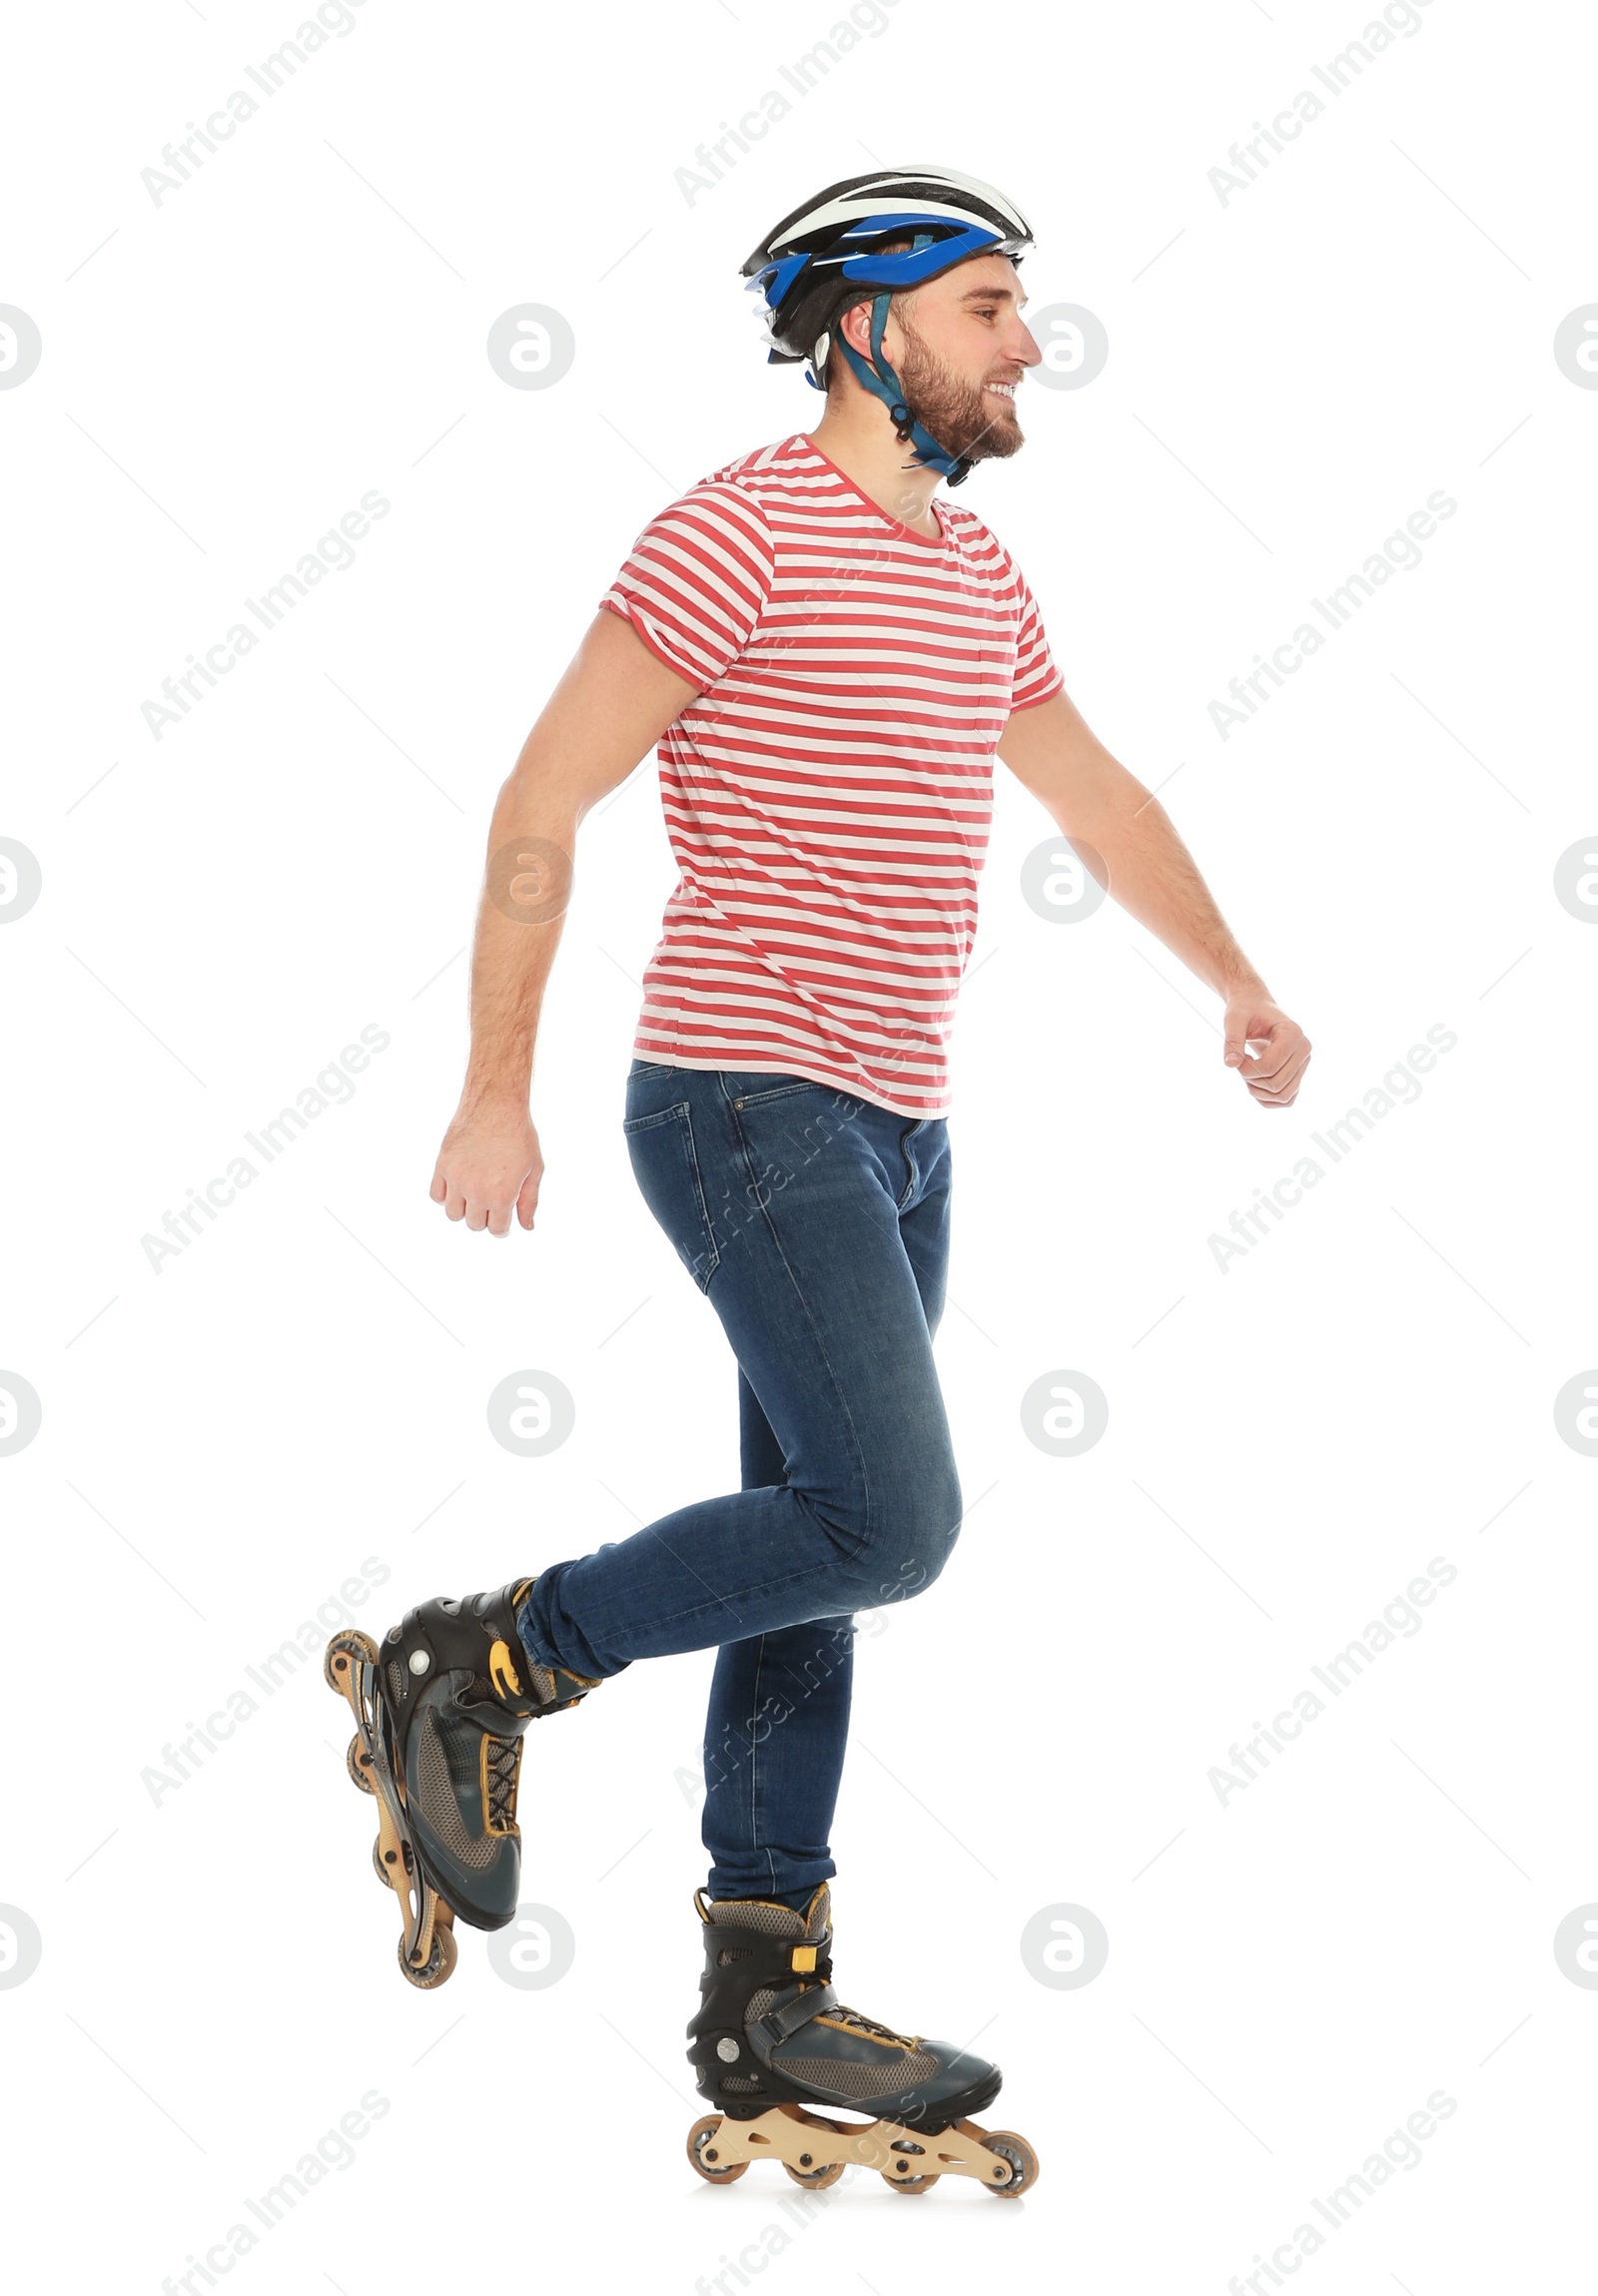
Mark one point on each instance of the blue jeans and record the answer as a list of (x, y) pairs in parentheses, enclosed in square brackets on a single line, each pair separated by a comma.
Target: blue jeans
[(817, 1225)]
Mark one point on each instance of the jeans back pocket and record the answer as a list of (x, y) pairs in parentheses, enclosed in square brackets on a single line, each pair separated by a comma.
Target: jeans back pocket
[(661, 1151)]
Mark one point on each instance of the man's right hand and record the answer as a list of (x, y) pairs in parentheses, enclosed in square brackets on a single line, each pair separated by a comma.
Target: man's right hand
[(490, 1165)]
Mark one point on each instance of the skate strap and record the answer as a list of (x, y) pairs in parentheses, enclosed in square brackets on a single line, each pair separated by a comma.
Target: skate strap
[(785, 2017)]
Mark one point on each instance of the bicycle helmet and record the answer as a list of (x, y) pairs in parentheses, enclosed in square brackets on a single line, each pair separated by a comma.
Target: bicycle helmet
[(810, 267)]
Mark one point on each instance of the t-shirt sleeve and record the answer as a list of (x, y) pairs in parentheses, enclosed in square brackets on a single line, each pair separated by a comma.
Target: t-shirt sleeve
[(696, 580), (1037, 676)]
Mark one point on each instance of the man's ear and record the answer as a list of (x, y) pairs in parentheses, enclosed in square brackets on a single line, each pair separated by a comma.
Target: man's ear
[(856, 322)]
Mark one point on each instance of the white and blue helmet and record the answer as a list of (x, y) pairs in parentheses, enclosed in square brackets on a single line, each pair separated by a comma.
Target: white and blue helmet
[(817, 262)]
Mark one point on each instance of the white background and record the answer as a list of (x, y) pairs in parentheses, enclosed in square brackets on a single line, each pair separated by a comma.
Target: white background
[(1290, 1441)]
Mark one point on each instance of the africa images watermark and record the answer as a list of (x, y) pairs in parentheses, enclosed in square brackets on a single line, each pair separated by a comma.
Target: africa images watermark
[(1401, 552), (332, 551), (333, 2152), (334, 1084), (834, 1649), (1250, 161), (1402, 2151), (304, 1648), (802, 2209), (332, 21), (1401, 1616), (865, 20), (1401, 1083)]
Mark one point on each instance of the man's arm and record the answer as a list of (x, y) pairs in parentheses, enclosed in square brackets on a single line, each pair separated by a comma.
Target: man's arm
[(612, 705), (1101, 806)]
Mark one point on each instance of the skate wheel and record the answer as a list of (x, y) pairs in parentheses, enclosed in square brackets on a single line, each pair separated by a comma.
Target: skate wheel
[(359, 1766), (702, 2140), (1023, 2164), (440, 1961), (345, 1651), (816, 2179), (900, 2175)]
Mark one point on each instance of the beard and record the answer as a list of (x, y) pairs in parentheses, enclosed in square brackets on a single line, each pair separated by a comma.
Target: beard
[(963, 419)]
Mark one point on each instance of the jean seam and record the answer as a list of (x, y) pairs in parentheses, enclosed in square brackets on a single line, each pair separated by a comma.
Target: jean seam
[(699, 1193), (905, 1138), (781, 1092), (754, 1761), (837, 1384)]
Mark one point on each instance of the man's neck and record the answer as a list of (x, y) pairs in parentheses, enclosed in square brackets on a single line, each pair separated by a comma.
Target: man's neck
[(868, 452)]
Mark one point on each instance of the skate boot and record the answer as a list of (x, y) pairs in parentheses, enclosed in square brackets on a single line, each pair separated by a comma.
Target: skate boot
[(440, 1710), (772, 2043)]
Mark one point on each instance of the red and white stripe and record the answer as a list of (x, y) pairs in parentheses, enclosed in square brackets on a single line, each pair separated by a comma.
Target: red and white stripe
[(829, 791)]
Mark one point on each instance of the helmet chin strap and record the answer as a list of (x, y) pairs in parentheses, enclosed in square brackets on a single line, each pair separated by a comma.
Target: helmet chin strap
[(880, 380)]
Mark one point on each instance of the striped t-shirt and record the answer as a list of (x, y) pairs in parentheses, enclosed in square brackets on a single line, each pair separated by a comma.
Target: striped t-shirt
[(828, 790)]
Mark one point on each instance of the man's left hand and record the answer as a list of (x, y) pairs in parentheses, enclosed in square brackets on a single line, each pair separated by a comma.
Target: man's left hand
[(1269, 1051)]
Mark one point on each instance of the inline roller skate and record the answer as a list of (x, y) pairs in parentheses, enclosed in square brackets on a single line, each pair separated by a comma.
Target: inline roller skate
[(441, 1710), (771, 2043)]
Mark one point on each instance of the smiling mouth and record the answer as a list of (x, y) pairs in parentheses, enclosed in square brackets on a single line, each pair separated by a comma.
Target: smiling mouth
[(1003, 391)]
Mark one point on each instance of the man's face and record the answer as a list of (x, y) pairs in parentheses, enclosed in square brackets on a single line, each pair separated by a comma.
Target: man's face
[(960, 353)]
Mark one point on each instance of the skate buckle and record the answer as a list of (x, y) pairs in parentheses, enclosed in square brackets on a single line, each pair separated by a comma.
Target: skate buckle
[(502, 1672)]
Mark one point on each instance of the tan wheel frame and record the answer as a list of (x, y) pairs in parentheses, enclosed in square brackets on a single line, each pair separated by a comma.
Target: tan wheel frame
[(350, 1661), (788, 2132)]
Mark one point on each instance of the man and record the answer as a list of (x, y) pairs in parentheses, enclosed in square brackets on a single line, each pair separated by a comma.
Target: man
[(829, 655)]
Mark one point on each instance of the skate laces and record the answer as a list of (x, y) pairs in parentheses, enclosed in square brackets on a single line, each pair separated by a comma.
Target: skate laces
[(870, 2026), (853, 2018), (500, 1764)]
